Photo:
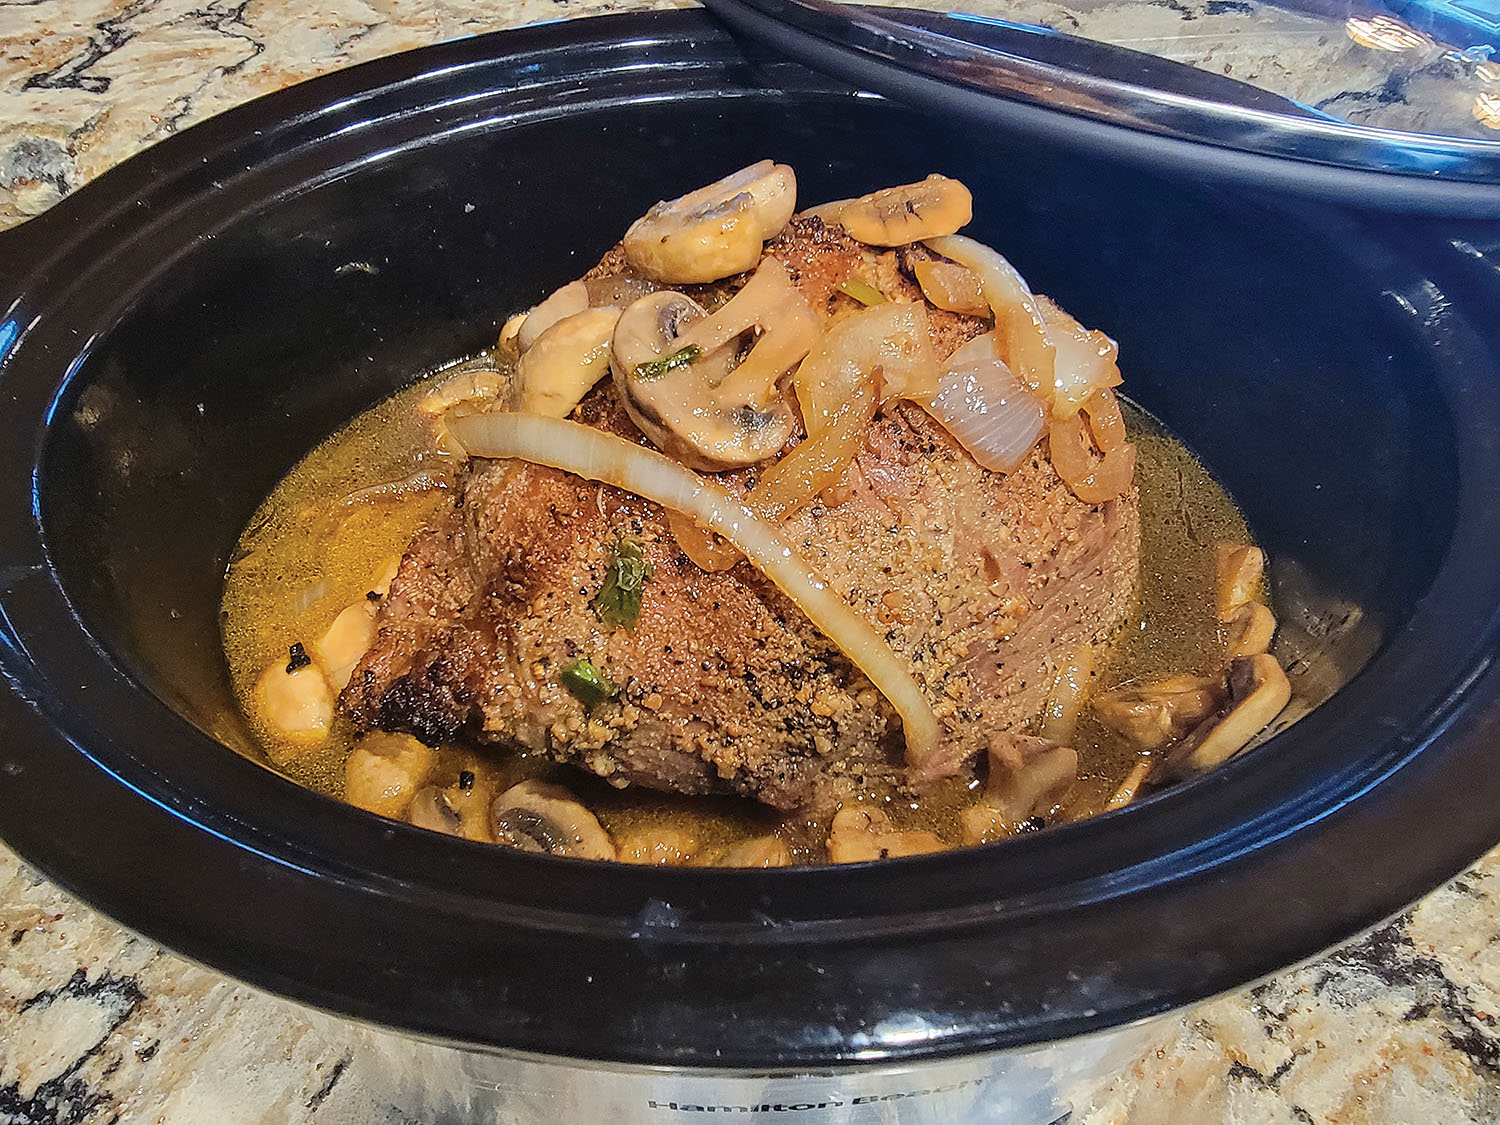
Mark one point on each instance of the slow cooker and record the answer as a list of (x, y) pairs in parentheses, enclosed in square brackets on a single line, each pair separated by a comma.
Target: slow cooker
[(174, 337)]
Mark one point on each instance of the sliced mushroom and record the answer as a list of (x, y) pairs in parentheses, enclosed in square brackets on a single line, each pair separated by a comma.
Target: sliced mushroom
[(509, 343), (716, 231), (458, 810), (568, 301), (478, 388), (786, 330), (1029, 777), (1239, 568), (678, 372), (1084, 363), (384, 771), (1153, 715), (951, 286), (349, 637), (762, 851), (861, 833), (430, 810), (1251, 630), (293, 700), (537, 816), (565, 362), (658, 847), (1258, 690), (895, 216)]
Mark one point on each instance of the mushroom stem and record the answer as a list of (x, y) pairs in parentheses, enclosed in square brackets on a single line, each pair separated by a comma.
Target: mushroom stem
[(1258, 690), (536, 816)]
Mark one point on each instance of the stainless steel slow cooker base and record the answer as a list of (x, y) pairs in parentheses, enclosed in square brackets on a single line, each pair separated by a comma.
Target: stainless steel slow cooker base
[(439, 1084)]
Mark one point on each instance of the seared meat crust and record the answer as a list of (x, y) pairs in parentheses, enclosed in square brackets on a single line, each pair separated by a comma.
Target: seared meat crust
[(981, 582)]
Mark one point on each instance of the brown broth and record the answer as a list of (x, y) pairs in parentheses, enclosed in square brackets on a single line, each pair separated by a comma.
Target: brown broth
[(326, 532)]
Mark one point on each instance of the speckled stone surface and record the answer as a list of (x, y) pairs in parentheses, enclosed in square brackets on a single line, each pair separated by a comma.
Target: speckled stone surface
[(99, 1026)]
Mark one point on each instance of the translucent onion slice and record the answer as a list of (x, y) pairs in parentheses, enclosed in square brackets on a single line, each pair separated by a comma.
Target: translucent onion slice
[(1097, 425), (870, 355), (1085, 360), (598, 456), (819, 462), (705, 548), (1031, 353), (986, 408), (837, 390), (951, 286), (893, 339)]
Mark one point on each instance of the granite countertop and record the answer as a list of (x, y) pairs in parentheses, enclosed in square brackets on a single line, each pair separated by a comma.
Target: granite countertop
[(97, 1025)]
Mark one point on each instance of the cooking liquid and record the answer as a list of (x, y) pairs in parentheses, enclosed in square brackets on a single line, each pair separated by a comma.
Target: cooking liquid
[(323, 537)]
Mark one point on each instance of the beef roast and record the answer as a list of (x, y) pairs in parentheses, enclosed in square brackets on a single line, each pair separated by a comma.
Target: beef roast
[(982, 582)]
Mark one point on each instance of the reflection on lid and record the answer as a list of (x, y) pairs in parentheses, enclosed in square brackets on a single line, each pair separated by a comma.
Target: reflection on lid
[(1384, 33), (1487, 110)]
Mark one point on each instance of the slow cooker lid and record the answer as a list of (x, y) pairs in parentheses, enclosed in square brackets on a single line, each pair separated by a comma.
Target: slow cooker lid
[(1352, 104)]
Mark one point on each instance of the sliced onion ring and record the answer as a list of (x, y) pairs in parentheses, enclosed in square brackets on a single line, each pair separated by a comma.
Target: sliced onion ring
[(598, 456), (837, 391), (1032, 354), (986, 408), (1085, 360)]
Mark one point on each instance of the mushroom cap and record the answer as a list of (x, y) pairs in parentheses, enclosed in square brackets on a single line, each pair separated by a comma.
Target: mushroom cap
[(384, 770), (537, 816), (1029, 776), (896, 216), (716, 231), (294, 703), (572, 298)]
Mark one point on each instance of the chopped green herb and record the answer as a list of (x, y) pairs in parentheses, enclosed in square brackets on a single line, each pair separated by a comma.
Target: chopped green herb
[(862, 291), (618, 602), (587, 683), (656, 368)]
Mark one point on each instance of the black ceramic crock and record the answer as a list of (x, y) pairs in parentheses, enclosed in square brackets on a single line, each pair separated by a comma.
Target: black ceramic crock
[(174, 337)]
